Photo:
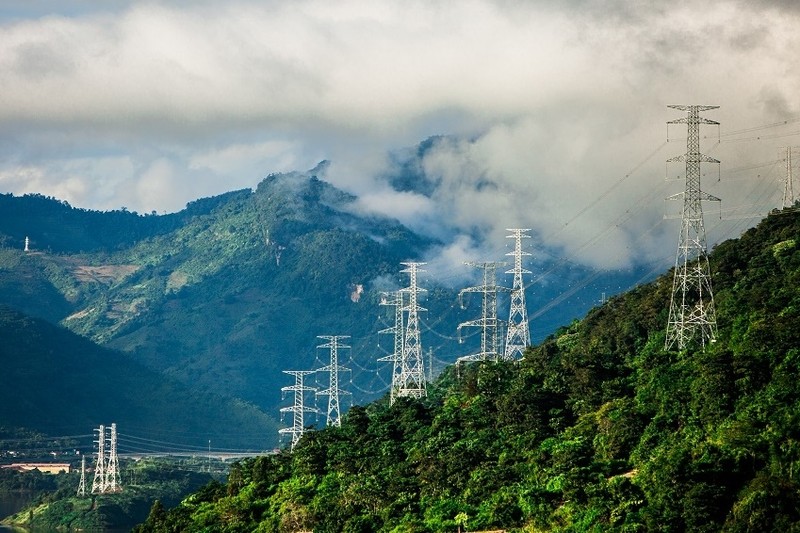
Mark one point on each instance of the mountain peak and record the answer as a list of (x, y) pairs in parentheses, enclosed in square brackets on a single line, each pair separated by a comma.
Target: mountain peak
[(304, 190)]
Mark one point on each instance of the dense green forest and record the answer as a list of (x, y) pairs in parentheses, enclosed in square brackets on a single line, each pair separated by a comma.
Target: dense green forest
[(54, 225), (597, 429)]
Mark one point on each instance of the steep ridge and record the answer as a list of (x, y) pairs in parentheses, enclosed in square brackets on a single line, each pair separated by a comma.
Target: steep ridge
[(597, 429), (230, 300)]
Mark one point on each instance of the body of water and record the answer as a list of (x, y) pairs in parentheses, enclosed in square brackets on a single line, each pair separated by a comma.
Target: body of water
[(12, 502)]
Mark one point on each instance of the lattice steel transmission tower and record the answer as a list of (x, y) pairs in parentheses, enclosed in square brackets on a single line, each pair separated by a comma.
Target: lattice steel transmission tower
[(396, 357), (106, 469), (691, 309), (112, 483), (412, 369), (788, 188), (489, 323), (334, 416), (518, 335), (82, 485), (99, 480), (299, 408)]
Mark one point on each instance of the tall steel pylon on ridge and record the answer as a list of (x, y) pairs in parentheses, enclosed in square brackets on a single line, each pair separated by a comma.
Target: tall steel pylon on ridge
[(691, 309), (788, 188), (489, 323), (334, 416), (112, 482), (412, 368), (518, 335), (299, 408), (99, 480), (396, 357)]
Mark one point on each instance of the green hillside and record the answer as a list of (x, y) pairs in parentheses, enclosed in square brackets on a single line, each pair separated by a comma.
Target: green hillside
[(226, 294), (59, 383), (597, 429), (55, 226), (222, 296), (58, 508)]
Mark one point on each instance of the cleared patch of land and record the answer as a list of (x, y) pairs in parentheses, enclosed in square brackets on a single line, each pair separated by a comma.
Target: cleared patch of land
[(105, 274)]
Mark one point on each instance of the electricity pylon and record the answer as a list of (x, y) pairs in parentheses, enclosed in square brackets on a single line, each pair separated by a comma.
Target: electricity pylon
[(99, 480), (82, 485), (489, 323), (106, 469), (518, 335), (395, 299), (112, 482), (299, 408), (334, 416), (691, 308), (788, 189), (412, 368)]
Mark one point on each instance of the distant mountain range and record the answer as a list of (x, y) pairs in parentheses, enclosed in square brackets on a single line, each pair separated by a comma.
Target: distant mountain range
[(228, 293)]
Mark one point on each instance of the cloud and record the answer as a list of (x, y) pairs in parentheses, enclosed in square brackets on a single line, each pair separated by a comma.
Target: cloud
[(447, 263), (553, 115), (80, 181), (278, 156)]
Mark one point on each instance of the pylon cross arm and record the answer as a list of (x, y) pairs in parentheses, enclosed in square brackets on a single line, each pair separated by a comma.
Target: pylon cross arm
[(688, 107), (702, 158)]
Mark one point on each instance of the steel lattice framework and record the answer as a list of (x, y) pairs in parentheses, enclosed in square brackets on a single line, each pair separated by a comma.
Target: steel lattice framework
[(412, 369), (788, 188), (691, 309), (106, 468), (112, 482), (334, 415), (99, 480), (518, 335), (299, 408), (394, 299), (82, 485), (489, 323)]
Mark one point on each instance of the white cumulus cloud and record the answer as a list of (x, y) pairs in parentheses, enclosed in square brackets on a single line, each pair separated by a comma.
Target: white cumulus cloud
[(553, 115)]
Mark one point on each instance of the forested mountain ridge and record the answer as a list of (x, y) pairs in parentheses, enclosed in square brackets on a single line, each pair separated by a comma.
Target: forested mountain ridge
[(54, 225), (597, 429), (205, 295)]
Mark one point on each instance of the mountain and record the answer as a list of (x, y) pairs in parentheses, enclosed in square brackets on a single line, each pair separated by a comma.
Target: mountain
[(59, 383), (230, 292), (55, 226), (222, 296), (598, 428)]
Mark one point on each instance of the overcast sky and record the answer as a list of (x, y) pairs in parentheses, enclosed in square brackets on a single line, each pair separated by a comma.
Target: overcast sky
[(555, 112)]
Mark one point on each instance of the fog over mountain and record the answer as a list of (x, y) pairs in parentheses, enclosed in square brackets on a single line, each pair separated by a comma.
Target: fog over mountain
[(542, 115)]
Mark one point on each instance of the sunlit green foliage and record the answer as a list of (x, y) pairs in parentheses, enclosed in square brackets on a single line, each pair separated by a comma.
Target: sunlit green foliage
[(597, 429), (59, 508)]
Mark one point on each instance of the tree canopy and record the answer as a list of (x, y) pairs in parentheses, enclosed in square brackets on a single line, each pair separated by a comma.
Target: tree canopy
[(596, 429)]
